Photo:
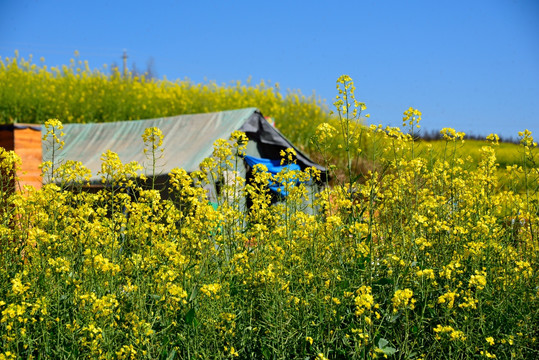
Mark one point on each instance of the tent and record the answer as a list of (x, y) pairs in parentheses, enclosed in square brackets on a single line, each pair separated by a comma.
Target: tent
[(188, 140)]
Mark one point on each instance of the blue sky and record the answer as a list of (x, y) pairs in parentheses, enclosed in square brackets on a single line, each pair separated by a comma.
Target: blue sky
[(470, 65)]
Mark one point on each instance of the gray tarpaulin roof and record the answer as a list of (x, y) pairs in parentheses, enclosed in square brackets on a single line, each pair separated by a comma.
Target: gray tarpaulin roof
[(188, 139)]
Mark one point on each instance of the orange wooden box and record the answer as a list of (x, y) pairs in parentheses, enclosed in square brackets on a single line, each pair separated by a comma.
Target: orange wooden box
[(25, 140)]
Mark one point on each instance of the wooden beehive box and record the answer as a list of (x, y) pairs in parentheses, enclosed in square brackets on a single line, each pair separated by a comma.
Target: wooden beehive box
[(25, 140)]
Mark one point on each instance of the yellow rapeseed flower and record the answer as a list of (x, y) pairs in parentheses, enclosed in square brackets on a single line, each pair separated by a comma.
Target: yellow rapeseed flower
[(403, 299)]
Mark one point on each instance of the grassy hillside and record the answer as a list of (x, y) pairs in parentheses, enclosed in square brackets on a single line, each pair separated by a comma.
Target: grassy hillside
[(32, 93), (506, 153)]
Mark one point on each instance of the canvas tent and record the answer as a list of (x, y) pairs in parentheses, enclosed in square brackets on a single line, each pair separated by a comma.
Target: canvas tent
[(188, 140)]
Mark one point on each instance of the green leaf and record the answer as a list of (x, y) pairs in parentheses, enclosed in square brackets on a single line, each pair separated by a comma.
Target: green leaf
[(171, 355), (190, 316), (193, 295), (395, 317), (266, 353), (388, 350), (383, 344)]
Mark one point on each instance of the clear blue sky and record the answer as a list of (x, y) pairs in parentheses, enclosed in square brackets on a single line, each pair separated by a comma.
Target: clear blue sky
[(470, 65)]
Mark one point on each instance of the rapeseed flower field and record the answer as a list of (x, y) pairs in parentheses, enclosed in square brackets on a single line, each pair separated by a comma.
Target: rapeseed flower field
[(74, 93), (420, 257)]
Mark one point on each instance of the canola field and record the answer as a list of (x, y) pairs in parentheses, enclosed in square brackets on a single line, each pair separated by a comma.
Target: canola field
[(34, 93), (74, 93), (422, 256)]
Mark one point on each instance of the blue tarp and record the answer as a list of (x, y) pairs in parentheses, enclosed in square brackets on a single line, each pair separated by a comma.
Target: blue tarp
[(274, 167)]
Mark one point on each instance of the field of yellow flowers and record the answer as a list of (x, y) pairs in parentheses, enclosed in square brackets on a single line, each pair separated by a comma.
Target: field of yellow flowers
[(33, 93), (423, 257)]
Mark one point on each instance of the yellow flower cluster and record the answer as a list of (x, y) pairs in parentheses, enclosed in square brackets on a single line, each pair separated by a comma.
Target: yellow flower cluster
[(403, 299), (411, 118), (450, 134), (453, 334), (448, 299)]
